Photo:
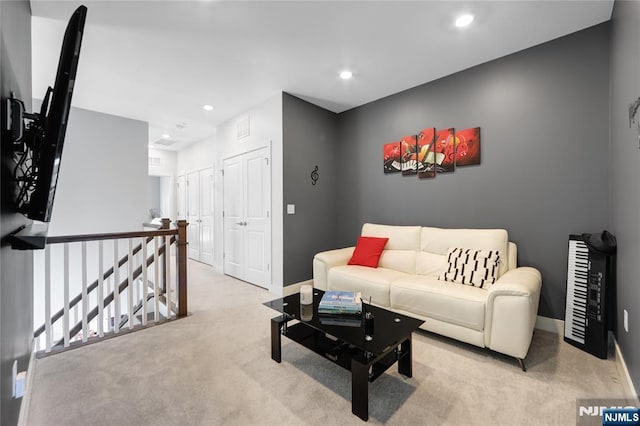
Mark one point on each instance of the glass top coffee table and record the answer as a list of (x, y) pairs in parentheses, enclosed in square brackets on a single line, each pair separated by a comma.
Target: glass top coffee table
[(365, 351)]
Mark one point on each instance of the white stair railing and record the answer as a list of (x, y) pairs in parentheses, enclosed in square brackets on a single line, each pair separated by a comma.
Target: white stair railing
[(68, 262)]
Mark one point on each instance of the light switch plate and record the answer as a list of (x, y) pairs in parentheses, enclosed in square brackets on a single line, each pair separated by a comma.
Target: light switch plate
[(291, 209)]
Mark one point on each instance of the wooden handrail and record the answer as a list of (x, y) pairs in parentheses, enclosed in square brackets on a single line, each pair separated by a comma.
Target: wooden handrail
[(112, 236)]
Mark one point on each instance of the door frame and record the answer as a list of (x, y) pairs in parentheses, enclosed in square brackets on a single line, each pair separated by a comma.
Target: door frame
[(267, 146)]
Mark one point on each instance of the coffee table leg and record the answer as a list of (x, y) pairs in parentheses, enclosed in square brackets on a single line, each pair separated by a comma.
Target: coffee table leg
[(276, 347), (404, 363), (360, 389)]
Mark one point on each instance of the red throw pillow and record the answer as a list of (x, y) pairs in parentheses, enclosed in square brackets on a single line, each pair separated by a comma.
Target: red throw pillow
[(368, 251)]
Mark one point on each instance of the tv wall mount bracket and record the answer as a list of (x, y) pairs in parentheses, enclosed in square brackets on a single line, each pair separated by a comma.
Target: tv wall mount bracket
[(25, 132)]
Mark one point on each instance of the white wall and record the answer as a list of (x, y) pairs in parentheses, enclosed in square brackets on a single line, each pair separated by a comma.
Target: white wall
[(265, 129), (168, 161), (197, 156), (102, 187), (168, 207), (103, 184), (154, 196)]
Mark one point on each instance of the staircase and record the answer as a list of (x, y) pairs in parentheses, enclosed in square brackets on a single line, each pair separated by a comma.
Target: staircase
[(140, 281)]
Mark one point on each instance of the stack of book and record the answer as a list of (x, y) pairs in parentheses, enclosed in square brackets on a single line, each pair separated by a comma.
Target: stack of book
[(340, 303)]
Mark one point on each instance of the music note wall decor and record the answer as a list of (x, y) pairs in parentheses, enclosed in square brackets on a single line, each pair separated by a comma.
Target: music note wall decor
[(315, 176)]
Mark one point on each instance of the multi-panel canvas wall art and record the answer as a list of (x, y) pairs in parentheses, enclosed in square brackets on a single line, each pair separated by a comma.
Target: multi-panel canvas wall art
[(468, 147), (392, 157), (432, 152), (445, 151), (426, 153), (409, 148)]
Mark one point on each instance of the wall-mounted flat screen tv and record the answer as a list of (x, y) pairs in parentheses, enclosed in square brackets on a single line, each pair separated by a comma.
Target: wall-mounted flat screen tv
[(47, 156)]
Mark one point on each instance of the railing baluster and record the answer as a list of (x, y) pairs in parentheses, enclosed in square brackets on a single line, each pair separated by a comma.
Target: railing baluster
[(130, 287), (65, 316), (116, 284), (145, 281), (138, 286), (109, 280), (156, 280), (167, 263), (100, 297), (47, 298), (85, 310)]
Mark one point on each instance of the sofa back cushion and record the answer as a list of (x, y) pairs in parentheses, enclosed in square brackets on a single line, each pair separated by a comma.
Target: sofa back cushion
[(402, 248), (435, 242)]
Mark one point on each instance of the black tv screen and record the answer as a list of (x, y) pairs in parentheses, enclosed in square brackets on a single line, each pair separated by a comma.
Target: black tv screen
[(48, 156)]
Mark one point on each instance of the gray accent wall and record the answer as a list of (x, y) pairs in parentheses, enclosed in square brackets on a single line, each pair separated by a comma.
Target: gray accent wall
[(625, 175), (309, 140), (16, 277), (544, 119)]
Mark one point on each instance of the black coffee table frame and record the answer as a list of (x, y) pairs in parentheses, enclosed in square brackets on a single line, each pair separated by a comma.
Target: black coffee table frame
[(365, 366)]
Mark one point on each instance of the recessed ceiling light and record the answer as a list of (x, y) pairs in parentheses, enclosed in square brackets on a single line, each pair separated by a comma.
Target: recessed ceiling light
[(208, 107), (165, 136), (346, 75), (464, 20)]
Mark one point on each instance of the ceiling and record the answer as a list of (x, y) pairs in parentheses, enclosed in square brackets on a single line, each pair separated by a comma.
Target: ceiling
[(161, 61)]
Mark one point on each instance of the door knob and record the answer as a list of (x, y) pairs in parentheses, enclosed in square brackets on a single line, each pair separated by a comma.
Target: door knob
[(239, 223)]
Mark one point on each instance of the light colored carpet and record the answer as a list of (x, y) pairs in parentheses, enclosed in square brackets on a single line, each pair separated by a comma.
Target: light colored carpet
[(215, 368)]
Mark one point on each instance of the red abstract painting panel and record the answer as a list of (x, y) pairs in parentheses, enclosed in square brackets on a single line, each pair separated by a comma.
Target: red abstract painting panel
[(467, 146), (445, 151), (392, 157), (408, 147), (426, 153)]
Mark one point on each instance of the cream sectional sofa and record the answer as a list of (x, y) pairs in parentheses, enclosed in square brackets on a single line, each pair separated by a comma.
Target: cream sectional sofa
[(501, 317)]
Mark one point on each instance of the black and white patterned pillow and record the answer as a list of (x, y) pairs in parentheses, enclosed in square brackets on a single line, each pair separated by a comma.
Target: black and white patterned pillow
[(478, 268)]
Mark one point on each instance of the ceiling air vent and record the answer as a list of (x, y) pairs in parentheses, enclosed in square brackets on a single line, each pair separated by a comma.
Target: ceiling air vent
[(164, 142)]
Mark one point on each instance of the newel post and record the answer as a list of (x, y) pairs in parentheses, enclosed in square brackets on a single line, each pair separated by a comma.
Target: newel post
[(182, 267), (166, 223)]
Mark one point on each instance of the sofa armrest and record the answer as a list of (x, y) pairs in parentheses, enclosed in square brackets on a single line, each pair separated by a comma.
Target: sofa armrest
[(326, 260), (511, 311)]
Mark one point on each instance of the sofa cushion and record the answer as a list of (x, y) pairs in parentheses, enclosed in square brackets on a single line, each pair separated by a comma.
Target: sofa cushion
[(454, 303), (478, 268), (369, 282), (368, 251), (430, 263), (439, 241), (401, 249)]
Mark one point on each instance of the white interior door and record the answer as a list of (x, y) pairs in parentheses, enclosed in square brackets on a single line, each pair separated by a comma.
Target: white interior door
[(200, 215), (181, 190), (206, 215), (257, 245), (193, 214), (233, 215), (247, 224)]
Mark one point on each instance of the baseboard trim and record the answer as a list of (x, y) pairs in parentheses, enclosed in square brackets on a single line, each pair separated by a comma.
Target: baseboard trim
[(295, 288), (551, 325), (556, 326), (621, 365), (23, 416)]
